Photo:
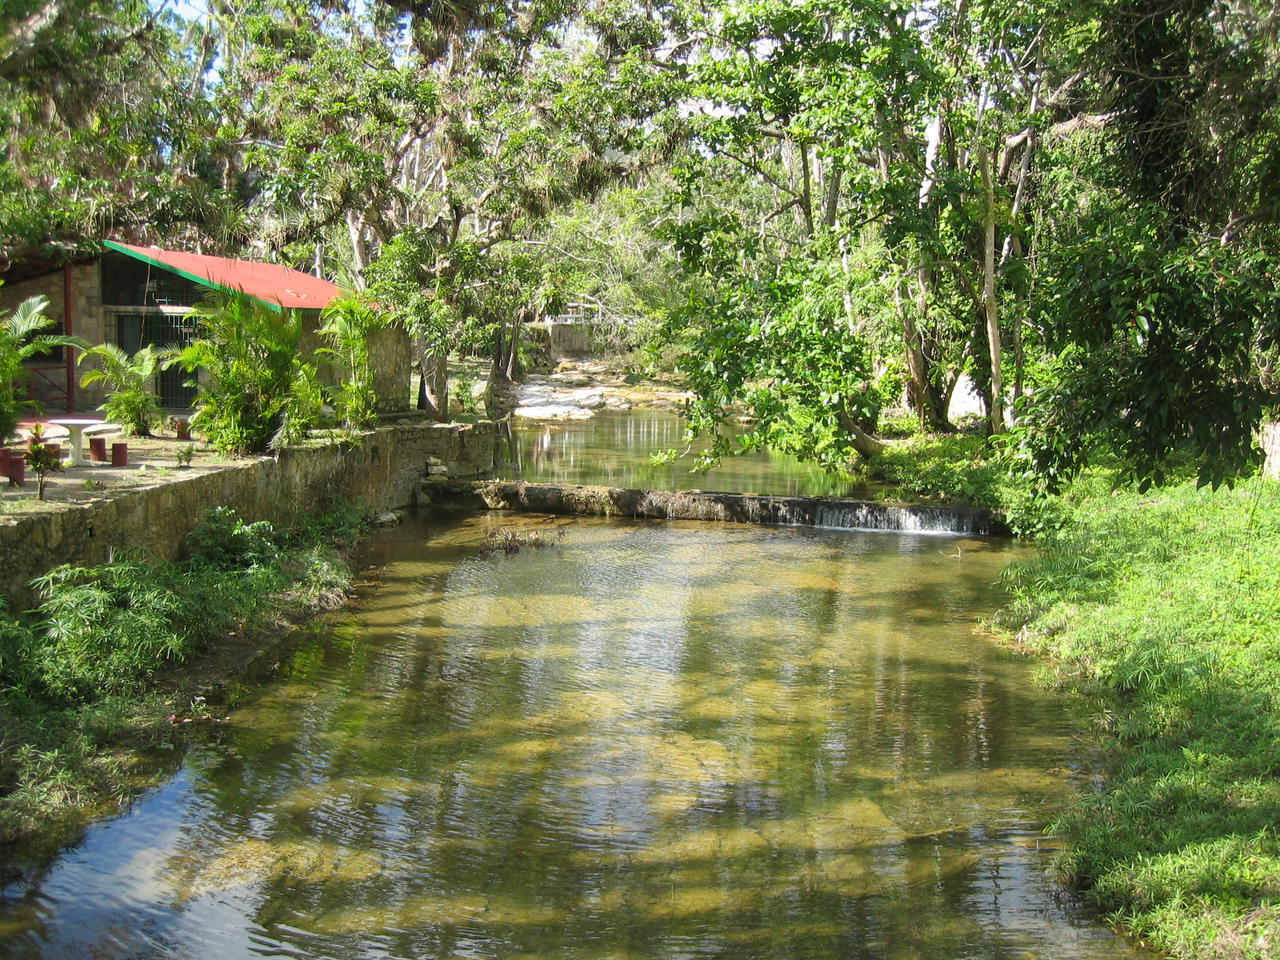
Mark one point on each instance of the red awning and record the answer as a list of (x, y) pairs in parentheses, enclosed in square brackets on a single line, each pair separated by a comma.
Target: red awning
[(269, 282)]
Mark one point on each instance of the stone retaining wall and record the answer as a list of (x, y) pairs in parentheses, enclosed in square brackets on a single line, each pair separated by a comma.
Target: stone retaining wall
[(379, 470)]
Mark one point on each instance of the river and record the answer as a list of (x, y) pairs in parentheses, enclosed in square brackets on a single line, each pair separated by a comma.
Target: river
[(639, 740)]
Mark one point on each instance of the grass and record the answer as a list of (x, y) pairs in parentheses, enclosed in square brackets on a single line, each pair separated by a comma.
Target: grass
[(1164, 608), (91, 681), (948, 468)]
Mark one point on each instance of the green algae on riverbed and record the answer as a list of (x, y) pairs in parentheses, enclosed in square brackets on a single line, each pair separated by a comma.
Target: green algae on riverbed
[(652, 740)]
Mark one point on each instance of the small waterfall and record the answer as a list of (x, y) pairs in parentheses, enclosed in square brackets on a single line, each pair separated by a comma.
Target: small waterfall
[(905, 518), (831, 513)]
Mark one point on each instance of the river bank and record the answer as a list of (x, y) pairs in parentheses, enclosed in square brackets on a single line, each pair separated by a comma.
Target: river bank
[(110, 591), (1161, 608), (600, 747), (578, 389), (104, 679)]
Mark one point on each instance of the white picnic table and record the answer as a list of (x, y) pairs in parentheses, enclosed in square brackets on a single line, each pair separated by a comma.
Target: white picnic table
[(76, 427)]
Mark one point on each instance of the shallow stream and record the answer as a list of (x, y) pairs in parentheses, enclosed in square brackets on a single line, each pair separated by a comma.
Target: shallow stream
[(614, 449), (642, 740)]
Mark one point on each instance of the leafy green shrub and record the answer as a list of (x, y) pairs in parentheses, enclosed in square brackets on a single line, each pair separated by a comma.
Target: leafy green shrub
[(16, 642), (339, 522), (303, 408), (255, 392), (41, 458), (349, 325), (321, 575), (131, 401), (949, 468), (223, 541), (106, 628), (898, 422), (464, 389)]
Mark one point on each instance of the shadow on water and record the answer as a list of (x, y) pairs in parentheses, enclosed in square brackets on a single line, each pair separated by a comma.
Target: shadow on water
[(655, 740)]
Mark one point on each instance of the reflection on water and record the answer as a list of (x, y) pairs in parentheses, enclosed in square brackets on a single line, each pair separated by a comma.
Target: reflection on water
[(613, 449), (657, 740)]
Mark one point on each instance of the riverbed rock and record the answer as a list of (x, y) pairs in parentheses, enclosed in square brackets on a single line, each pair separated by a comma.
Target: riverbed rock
[(589, 399), (553, 411)]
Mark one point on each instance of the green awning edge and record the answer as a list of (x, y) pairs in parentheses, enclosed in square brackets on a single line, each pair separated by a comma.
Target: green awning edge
[(194, 278)]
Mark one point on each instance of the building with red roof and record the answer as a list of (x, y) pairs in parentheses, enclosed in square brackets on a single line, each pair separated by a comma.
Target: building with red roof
[(134, 296), (275, 285)]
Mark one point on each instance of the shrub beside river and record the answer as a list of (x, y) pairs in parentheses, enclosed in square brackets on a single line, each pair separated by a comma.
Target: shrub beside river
[(86, 689), (1165, 608)]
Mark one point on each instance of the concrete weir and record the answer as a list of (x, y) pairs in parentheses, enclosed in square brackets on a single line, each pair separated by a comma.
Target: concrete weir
[(738, 507)]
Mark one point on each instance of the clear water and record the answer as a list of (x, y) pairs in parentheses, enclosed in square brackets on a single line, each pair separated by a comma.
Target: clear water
[(646, 740), (613, 449)]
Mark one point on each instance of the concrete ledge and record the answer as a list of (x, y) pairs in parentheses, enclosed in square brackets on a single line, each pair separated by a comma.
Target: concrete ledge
[(738, 508)]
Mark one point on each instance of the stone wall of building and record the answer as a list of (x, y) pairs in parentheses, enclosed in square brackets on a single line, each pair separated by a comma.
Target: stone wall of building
[(86, 319), (391, 356), (379, 470)]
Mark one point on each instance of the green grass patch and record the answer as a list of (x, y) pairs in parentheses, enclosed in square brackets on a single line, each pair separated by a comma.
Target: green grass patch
[(1165, 608), (948, 468), (85, 678)]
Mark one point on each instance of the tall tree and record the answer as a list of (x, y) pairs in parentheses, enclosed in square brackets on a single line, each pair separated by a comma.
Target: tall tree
[(893, 143), (1160, 301), (100, 109), (458, 126)]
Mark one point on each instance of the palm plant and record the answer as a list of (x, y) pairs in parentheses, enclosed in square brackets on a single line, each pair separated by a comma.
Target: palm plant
[(131, 401), (349, 325), (256, 392), (21, 339)]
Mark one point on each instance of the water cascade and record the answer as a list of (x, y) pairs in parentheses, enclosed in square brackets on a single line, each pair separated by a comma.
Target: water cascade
[(827, 512)]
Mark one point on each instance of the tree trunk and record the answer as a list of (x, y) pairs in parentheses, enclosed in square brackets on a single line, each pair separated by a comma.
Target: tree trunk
[(433, 388), (511, 371), (504, 366), (359, 249), (990, 306), (498, 358), (917, 372), (1019, 360), (866, 445), (926, 398)]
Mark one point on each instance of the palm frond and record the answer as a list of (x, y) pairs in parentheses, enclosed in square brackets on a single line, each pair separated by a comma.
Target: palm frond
[(28, 319)]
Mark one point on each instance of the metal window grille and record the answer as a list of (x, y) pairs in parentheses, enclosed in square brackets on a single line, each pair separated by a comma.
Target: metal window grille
[(137, 330)]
